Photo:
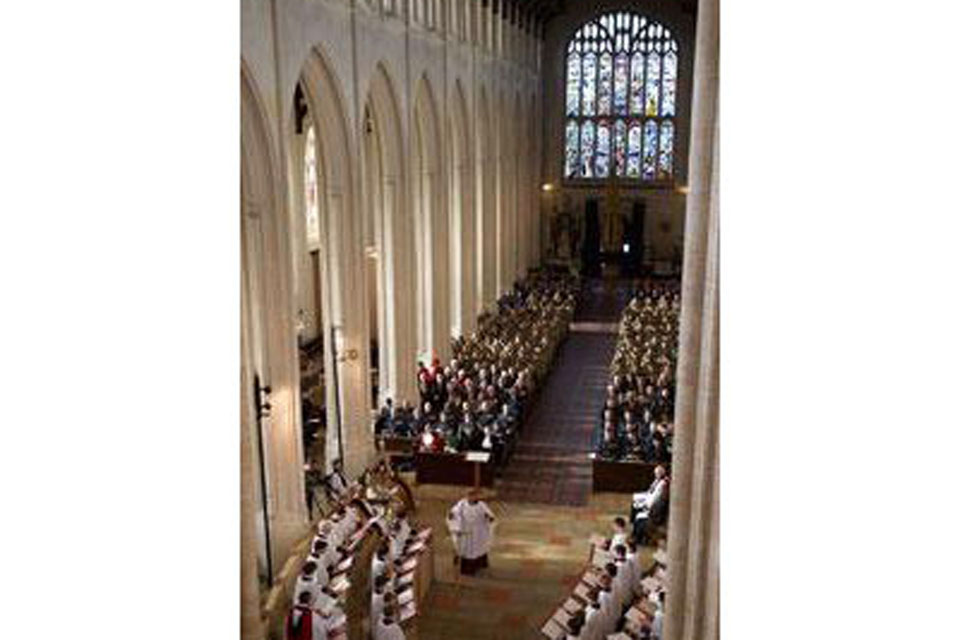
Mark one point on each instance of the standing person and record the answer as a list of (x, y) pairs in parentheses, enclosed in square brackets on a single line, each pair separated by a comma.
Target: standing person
[(471, 521), (303, 623)]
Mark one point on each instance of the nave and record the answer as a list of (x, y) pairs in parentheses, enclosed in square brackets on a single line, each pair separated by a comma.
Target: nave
[(388, 209)]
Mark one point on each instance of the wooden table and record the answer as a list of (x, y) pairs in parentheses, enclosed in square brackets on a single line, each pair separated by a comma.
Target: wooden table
[(451, 468), (622, 476)]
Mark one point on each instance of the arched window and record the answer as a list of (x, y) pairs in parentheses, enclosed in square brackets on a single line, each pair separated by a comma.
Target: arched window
[(621, 100), (311, 205)]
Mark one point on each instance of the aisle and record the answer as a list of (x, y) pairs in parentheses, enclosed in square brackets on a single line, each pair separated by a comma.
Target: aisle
[(550, 464), (544, 504)]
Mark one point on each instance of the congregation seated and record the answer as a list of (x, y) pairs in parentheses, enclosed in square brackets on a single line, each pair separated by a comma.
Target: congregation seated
[(478, 401), (636, 422)]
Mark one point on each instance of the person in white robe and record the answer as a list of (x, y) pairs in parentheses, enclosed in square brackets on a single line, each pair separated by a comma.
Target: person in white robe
[(473, 523), (617, 590), (380, 563), (627, 574), (607, 616), (620, 532), (591, 617), (380, 597), (658, 616), (388, 626), (307, 580)]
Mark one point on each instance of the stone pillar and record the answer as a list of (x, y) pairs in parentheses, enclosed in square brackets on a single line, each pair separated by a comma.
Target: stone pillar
[(251, 625), (440, 247), (692, 611), (466, 281), (489, 237)]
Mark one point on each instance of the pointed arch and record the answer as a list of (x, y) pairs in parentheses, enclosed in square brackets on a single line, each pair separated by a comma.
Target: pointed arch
[(343, 315), (267, 330), (431, 237), (394, 243)]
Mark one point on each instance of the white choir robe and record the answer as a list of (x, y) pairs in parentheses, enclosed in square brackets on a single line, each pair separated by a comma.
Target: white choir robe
[(620, 588), (657, 624), (376, 605), (377, 567), (476, 533), (311, 584), (404, 530), (591, 624), (607, 617), (388, 632), (325, 561), (618, 538), (338, 483), (396, 547)]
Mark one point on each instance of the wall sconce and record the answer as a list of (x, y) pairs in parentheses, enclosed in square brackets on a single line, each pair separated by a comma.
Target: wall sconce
[(547, 187)]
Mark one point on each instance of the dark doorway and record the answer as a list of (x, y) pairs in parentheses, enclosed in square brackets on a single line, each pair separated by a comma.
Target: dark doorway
[(634, 238), (591, 239)]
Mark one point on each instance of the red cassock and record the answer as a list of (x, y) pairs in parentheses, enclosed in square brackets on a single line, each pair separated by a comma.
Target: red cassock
[(305, 629)]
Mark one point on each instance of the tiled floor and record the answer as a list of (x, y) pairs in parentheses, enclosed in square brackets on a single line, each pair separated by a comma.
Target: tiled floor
[(538, 554)]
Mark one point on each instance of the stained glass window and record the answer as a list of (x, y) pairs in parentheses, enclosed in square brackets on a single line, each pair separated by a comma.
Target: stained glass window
[(621, 66), (665, 170), (620, 146), (620, 85), (587, 149), (603, 149), (649, 149), (633, 151), (573, 84), (572, 150), (669, 102), (589, 85), (653, 83), (310, 196), (603, 85), (636, 84)]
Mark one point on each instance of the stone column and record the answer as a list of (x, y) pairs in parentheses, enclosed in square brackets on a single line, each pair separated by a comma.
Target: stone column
[(468, 253), (440, 247), (251, 625), (692, 611)]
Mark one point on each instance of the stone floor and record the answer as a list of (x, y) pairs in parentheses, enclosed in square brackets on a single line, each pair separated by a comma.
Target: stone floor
[(538, 554)]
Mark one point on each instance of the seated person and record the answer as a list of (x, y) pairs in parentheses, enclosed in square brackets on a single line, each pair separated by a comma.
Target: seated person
[(650, 503)]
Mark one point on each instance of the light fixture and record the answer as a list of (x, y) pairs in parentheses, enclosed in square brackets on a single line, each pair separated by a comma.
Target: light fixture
[(626, 247), (547, 186)]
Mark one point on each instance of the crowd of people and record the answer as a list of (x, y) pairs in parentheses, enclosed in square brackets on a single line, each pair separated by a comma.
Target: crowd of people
[(478, 401), (614, 595), (636, 422), (365, 507)]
